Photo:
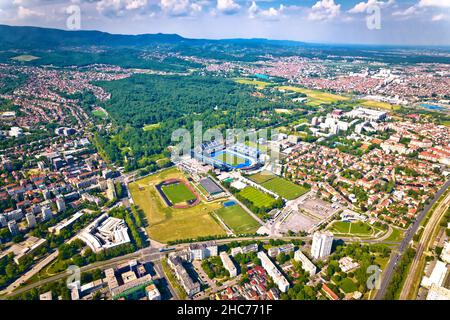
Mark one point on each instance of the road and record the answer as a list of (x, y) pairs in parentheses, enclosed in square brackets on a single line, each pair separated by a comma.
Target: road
[(395, 257), (423, 245), (145, 255)]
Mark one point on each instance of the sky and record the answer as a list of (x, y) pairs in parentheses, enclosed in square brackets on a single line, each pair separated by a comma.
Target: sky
[(401, 22)]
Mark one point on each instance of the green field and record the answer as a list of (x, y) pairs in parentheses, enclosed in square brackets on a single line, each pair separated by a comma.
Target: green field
[(347, 285), (236, 218), (280, 186), (178, 193), (100, 113), (150, 127), (257, 83), (351, 228), (230, 159), (315, 97), (167, 223), (380, 105), (257, 197), (25, 58)]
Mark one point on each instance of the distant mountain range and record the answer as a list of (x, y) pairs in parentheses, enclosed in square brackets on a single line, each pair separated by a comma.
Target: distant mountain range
[(14, 37)]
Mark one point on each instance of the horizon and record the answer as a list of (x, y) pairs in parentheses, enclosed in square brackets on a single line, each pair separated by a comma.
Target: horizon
[(348, 22)]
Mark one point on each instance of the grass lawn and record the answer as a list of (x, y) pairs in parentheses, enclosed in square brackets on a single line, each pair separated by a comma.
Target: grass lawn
[(257, 83), (262, 176), (100, 113), (380, 105), (280, 186), (165, 223), (238, 219), (178, 192), (351, 228), (285, 188), (347, 285), (257, 197), (25, 58), (396, 235), (316, 97), (150, 127)]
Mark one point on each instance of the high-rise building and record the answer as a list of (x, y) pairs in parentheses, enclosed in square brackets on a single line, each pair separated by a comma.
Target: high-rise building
[(228, 264), (321, 244), (46, 213), (13, 228), (60, 204), (31, 220)]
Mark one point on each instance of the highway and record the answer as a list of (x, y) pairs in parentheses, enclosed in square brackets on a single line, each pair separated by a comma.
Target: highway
[(396, 256), (423, 245)]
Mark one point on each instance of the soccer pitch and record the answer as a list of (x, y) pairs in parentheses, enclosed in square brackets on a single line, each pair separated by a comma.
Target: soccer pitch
[(280, 186), (232, 159), (178, 193), (257, 197), (236, 218)]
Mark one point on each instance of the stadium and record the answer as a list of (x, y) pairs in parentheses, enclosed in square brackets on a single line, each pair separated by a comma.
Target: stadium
[(227, 158)]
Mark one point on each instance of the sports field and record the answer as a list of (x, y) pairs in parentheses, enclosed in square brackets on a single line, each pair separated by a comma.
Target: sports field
[(280, 186), (351, 228), (315, 97), (178, 193), (150, 127), (167, 223), (238, 219), (380, 105), (232, 159), (257, 197)]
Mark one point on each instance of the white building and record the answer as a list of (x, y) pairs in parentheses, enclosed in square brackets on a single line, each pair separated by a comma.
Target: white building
[(437, 276), (153, 292), (60, 204), (445, 255), (321, 244), (438, 293), (31, 220), (13, 227), (203, 250), (307, 265), (46, 213), (228, 264), (273, 272)]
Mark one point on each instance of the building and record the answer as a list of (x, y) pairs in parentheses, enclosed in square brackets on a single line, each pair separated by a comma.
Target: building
[(46, 296), (111, 190), (244, 250), (445, 255), (13, 228), (287, 248), (133, 289), (46, 213), (437, 276), (60, 204), (31, 220), (307, 265), (438, 293), (321, 244), (228, 264), (65, 223), (191, 287), (105, 232), (272, 271), (347, 264), (203, 250), (153, 292)]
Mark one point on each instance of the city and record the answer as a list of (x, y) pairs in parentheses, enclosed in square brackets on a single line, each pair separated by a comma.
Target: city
[(172, 168)]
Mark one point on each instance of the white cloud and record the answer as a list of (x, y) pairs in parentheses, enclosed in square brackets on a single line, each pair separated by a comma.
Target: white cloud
[(179, 8), (228, 6), (24, 13), (270, 13), (120, 7), (439, 17), (363, 6), (435, 3), (324, 10), (135, 4)]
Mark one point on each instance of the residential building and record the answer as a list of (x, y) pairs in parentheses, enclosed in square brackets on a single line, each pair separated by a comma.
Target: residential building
[(228, 264), (307, 265), (321, 244), (273, 271)]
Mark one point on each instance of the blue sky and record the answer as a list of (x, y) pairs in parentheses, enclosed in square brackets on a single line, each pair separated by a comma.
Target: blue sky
[(422, 22)]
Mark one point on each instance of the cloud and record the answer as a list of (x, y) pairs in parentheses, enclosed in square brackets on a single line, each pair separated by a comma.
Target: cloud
[(324, 10), (434, 3), (439, 17), (270, 14), (179, 8), (119, 7), (363, 6), (227, 6), (25, 13)]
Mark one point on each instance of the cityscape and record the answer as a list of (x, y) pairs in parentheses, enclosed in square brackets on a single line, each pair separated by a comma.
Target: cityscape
[(164, 167)]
